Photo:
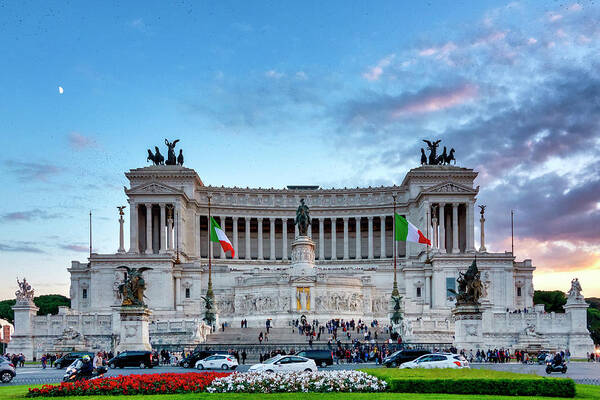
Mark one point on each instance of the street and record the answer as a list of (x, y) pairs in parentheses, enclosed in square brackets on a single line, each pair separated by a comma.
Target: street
[(581, 372)]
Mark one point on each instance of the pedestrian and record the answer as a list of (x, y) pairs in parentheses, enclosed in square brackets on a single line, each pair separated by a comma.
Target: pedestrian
[(244, 356), (43, 361)]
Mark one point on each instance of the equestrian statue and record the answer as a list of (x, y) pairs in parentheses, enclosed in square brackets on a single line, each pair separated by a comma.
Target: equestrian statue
[(302, 218), (132, 288)]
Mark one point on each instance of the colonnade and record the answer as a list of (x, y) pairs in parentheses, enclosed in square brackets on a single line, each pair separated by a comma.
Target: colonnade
[(152, 227), (452, 227)]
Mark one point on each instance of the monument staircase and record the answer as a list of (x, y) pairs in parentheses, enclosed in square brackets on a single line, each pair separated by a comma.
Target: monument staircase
[(279, 335)]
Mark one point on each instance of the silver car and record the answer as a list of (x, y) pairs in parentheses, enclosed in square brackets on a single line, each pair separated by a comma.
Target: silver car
[(7, 370)]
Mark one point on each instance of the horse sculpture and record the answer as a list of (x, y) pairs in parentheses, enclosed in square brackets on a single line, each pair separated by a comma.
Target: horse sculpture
[(450, 157), (470, 288), (423, 157), (132, 288)]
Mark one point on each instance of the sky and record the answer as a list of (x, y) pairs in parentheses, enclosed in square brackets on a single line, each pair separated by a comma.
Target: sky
[(276, 93)]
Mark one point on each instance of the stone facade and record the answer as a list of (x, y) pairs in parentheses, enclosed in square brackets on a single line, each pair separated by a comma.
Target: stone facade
[(349, 243)]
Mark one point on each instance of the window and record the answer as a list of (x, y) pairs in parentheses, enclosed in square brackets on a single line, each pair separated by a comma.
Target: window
[(450, 285), (84, 294), (418, 292), (187, 292)]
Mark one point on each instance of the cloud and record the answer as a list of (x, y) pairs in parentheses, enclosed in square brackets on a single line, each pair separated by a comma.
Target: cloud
[(79, 142), (139, 24), (33, 171), (28, 215), (374, 73), (274, 74), (20, 247), (76, 248)]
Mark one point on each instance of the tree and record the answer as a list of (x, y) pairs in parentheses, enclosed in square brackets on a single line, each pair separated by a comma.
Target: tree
[(552, 300), (593, 322), (48, 304)]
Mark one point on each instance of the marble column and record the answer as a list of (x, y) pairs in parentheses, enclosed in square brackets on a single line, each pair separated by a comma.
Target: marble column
[(309, 230), (358, 245), (455, 248), (296, 232), (434, 221), (346, 250), (121, 234), (248, 254), (470, 227), (427, 290), (370, 232), (333, 239), (284, 237), (170, 229), (321, 238), (442, 221), (260, 239), (178, 227), (235, 237), (482, 221), (382, 238), (177, 291), (163, 244), (272, 238), (222, 253), (148, 228), (133, 228)]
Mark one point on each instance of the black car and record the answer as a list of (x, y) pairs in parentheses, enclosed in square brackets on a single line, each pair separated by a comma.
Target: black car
[(190, 361), (141, 359), (322, 358), (69, 358), (402, 356)]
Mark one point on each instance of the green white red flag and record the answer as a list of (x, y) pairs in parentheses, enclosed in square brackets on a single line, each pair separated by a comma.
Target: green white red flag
[(407, 232), (218, 235)]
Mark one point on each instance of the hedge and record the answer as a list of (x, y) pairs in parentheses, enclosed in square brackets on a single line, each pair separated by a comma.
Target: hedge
[(551, 387)]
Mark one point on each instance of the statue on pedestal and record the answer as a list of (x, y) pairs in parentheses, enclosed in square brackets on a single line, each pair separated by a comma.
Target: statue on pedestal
[(302, 218), (132, 288), (470, 288), (574, 294), (25, 293)]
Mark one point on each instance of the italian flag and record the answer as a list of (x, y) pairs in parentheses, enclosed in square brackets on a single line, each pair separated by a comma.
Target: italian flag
[(407, 232), (218, 235)]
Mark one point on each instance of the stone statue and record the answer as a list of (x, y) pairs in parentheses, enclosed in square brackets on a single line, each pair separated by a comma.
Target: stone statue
[(171, 159), (482, 209), (432, 151), (450, 157), (132, 288), (397, 314), (423, 157), (180, 157), (442, 157), (530, 331), (209, 314), (470, 288), (575, 291), (121, 208), (302, 218), (156, 158), (25, 292)]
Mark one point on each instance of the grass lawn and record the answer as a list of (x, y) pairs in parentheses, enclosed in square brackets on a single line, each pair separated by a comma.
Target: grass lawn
[(397, 373), (583, 392)]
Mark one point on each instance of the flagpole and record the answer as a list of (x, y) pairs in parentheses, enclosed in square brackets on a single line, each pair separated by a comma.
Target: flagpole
[(90, 233), (395, 292), (209, 290), (512, 233)]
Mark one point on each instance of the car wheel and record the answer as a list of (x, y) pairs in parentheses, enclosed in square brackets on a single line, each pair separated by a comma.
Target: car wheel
[(112, 366), (224, 366), (395, 364), (57, 366), (323, 364), (200, 366), (142, 365), (185, 364), (6, 377)]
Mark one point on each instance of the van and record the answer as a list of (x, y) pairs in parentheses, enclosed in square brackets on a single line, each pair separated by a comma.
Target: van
[(141, 359), (402, 356), (322, 358)]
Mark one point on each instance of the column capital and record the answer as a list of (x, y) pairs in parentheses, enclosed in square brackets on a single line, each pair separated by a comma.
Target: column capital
[(382, 217), (148, 204), (235, 218), (370, 218), (357, 218), (259, 219), (345, 219), (455, 204), (441, 204), (162, 205)]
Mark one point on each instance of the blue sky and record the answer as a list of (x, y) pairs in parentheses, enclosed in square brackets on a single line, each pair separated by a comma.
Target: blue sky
[(279, 93)]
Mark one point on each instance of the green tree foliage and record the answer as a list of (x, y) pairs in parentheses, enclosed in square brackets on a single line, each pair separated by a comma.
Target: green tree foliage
[(48, 304), (593, 320), (552, 300)]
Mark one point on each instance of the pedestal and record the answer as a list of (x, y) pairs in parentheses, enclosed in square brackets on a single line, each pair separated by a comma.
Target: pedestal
[(22, 340), (303, 256), (134, 329), (468, 327), (580, 343)]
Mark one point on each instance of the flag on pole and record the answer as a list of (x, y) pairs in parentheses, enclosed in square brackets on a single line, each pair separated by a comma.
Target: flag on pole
[(218, 235), (407, 232)]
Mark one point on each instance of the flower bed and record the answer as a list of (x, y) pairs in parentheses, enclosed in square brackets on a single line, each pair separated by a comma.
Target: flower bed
[(323, 381), (131, 384)]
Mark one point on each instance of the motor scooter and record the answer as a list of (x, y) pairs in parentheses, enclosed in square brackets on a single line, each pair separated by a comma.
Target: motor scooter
[(72, 373), (551, 367)]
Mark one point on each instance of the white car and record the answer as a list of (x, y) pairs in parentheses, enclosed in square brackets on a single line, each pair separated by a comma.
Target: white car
[(218, 361), (282, 363), (438, 360)]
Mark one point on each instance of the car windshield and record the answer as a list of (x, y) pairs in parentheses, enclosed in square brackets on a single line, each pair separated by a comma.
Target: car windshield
[(272, 360), (395, 353)]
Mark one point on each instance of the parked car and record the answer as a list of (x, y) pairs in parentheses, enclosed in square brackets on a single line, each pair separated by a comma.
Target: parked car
[(69, 358), (402, 356), (322, 358), (7, 370), (438, 360), (281, 363), (142, 359), (218, 361), (192, 359)]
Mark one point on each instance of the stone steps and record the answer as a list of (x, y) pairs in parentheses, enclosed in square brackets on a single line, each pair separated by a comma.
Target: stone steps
[(276, 335)]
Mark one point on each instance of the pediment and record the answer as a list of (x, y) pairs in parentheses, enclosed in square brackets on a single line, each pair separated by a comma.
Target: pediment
[(449, 187), (303, 279), (153, 188)]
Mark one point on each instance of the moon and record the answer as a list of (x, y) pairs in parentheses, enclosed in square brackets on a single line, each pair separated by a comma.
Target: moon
[(60, 90)]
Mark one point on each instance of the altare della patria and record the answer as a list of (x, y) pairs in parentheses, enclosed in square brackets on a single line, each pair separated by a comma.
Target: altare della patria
[(302, 252)]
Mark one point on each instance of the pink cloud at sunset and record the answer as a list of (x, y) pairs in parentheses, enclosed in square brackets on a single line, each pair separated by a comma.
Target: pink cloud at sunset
[(437, 101)]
